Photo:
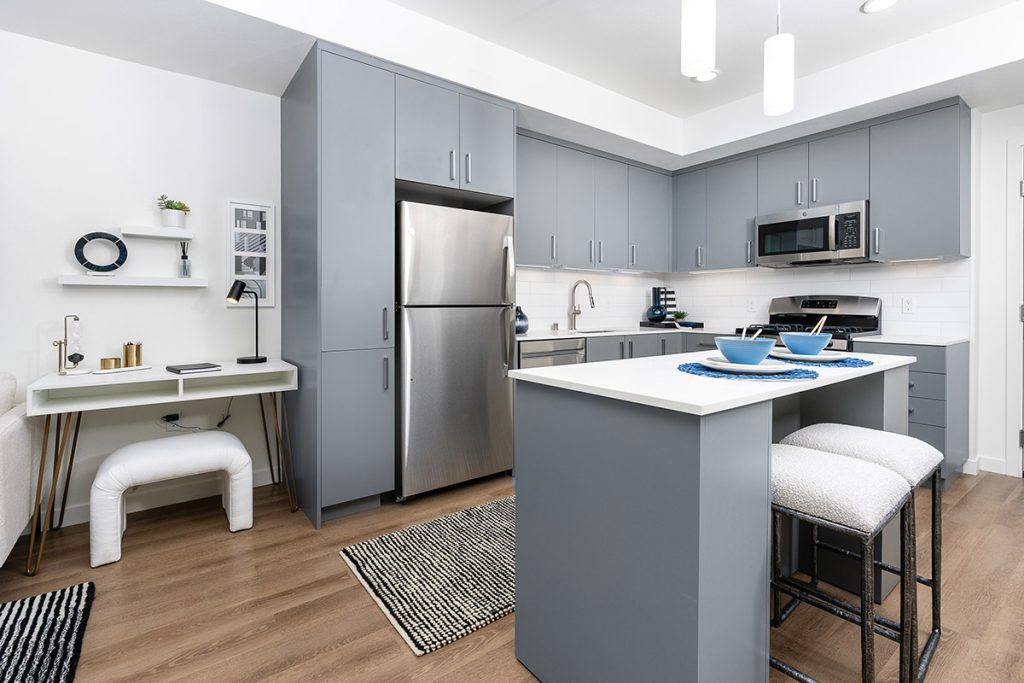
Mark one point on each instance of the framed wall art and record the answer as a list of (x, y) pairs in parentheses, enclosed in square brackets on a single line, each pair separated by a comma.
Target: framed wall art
[(251, 250)]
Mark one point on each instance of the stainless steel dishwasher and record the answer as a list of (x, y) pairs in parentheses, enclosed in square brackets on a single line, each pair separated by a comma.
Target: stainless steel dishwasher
[(548, 352)]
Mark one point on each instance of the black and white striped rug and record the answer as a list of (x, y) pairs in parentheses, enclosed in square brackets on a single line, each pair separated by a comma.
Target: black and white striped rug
[(41, 637), (441, 580)]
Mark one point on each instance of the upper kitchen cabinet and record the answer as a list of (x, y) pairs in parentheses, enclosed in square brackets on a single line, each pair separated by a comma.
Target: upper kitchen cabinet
[(536, 235), (782, 180), (838, 168), (732, 191), (920, 183), (575, 208), (487, 144), (690, 220), (611, 213), (826, 171), (449, 139), (650, 220)]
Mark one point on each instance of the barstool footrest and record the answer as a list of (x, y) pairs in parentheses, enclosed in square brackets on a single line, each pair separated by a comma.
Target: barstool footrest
[(790, 671), (836, 607), (926, 654), (884, 566)]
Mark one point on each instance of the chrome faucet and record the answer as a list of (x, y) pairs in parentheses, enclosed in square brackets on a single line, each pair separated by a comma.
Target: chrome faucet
[(574, 308)]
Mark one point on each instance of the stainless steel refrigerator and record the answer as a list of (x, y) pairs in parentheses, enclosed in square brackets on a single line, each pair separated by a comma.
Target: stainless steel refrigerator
[(456, 343)]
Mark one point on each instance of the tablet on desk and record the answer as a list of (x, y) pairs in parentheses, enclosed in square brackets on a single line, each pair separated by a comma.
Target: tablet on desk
[(193, 368)]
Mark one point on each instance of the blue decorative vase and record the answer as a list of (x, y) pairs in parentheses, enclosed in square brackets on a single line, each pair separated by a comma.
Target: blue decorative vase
[(656, 313), (522, 322)]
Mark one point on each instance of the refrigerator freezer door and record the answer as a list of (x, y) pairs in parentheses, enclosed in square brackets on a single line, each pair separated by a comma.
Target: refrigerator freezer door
[(454, 257), (456, 399)]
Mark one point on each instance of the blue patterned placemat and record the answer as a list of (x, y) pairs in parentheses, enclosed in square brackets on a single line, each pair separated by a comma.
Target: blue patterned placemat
[(788, 375), (848, 362)]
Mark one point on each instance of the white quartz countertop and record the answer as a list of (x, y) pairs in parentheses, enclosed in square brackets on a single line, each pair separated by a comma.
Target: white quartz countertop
[(916, 340), (563, 334), (656, 381)]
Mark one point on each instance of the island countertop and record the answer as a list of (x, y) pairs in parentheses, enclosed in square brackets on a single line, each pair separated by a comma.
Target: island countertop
[(656, 381)]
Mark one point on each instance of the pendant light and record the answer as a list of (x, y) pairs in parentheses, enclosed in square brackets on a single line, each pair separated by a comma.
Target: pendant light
[(779, 65), (697, 38)]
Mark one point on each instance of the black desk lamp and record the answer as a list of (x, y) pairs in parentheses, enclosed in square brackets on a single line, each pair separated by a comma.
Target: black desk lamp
[(237, 291)]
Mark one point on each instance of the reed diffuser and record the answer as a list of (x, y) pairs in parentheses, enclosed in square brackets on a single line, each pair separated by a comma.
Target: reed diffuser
[(185, 265)]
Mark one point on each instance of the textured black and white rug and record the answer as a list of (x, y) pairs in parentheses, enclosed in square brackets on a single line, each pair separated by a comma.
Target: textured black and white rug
[(41, 637), (441, 580)]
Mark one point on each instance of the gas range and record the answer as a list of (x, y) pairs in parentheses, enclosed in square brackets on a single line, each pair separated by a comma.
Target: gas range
[(848, 317)]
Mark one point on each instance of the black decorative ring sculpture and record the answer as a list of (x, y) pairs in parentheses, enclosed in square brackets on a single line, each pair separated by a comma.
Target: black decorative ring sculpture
[(122, 252)]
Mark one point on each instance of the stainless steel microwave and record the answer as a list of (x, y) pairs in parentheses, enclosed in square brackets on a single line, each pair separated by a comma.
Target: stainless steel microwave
[(818, 235)]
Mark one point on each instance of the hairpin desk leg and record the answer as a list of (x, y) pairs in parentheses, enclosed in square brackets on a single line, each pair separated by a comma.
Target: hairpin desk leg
[(67, 475), (274, 479), (288, 471), (34, 529), (35, 559)]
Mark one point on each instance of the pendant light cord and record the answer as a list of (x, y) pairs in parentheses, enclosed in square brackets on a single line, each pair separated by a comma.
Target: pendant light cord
[(778, 17)]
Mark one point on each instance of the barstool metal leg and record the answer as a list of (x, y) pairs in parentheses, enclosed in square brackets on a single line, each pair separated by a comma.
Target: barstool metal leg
[(867, 611), (814, 554), (776, 568), (908, 594)]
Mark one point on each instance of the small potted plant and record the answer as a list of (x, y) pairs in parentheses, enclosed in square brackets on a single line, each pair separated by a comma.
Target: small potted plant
[(172, 212), (679, 317)]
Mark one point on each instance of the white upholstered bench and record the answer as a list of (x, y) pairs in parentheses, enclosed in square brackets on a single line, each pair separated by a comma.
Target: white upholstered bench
[(147, 462)]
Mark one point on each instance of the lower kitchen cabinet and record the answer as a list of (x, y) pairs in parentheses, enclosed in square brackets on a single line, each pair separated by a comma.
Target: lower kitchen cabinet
[(626, 346), (641, 345), (669, 344), (357, 425), (696, 341), (938, 406)]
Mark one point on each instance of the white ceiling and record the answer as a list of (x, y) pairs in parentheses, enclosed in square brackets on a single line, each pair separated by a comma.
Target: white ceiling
[(187, 36), (633, 47)]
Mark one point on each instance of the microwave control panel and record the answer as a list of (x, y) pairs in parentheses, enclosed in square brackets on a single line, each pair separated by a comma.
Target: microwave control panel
[(848, 231)]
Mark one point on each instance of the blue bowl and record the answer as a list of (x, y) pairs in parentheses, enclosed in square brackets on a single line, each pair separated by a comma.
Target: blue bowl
[(806, 343), (744, 351)]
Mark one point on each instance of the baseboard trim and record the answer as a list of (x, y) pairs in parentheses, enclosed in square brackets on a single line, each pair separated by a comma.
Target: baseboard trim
[(994, 465), (971, 467)]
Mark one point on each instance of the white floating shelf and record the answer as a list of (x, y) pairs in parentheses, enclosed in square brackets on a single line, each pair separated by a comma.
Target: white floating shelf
[(179, 234), (125, 281)]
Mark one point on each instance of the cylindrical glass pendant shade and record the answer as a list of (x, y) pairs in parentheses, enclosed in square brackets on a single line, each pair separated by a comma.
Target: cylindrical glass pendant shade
[(779, 60), (697, 37)]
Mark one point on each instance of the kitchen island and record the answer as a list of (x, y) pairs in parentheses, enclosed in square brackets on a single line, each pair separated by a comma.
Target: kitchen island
[(643, 511)]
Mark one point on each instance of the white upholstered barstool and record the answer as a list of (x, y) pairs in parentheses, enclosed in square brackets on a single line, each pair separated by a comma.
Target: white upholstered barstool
[(915, 461), (856, 498), (147, 462)]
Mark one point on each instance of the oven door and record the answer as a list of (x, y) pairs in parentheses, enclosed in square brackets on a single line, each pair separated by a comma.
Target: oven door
[(795, 237)]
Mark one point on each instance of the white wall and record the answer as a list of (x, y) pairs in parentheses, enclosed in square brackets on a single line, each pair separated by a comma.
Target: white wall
[(620, 300), (89, 142)]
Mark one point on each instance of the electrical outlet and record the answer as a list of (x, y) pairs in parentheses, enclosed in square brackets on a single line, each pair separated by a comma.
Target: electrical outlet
[(908, 305), (750, 305), (172, 417)]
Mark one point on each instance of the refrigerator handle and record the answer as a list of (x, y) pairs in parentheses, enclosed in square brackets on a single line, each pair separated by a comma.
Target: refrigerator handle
[(510, 269), (508, 340)]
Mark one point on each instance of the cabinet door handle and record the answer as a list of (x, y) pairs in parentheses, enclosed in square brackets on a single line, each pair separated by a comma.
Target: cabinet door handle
[(632, 249), (910, 411), (387, 382), (384, 323), (600, 251), (878, 240), (451, 165), (630, 349), (814, 189), (706, 345), (911, 385), (800, 192), (591, 251), (750, 251), (554, 248), (469, 167), (622, 350), (663, 349), (700, 257)]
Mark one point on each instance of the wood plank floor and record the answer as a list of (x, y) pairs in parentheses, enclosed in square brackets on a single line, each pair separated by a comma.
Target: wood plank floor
[(190, 601)]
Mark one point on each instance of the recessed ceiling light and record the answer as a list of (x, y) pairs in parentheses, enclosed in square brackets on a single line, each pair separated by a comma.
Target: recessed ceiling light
[(875, 6), (706, 76)]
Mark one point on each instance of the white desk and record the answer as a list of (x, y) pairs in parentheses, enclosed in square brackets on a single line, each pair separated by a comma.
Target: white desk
[(68, 396)]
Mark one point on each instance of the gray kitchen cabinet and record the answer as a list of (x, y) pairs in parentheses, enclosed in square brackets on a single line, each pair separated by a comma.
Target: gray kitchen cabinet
[(605, 348), (671, 343), (426, 133), (732, 190), (487, 145), (358, 426), (575, 208), (920, 182), (357, 197), (782, 180), (641, 345), (536, 202), (650, 220), (938, 410), (690, 220), (698, 341), (838, 168), (449, 139), (611, 213)]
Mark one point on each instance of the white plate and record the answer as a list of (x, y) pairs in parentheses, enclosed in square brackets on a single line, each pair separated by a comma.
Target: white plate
[(766, 367), (823, 357)]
